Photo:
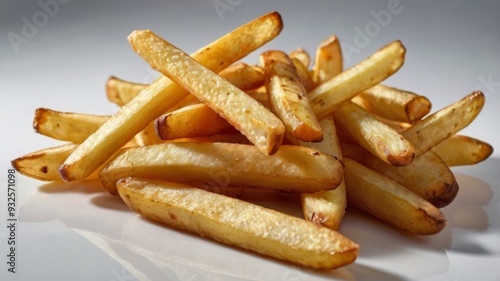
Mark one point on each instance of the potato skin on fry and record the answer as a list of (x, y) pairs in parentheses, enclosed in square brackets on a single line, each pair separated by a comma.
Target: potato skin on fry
[(238, 223)]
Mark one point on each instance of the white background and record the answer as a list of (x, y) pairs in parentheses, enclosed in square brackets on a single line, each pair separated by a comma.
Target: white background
[(79, 232)]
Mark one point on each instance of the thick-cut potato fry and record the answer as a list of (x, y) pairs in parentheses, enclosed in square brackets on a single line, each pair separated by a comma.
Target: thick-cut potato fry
[(246, 114), (121, 92), (390, 201), (429, 132), (162, 95), (44, 164), (66, 126), (326, 207), (302, 55), (394, 104), (331, 94), (238, 223), (303, 73), (428, 176), (461, 150), (288, 97), (378, 138), (292, 168), (197, 120), (328, 61), (243, 76)]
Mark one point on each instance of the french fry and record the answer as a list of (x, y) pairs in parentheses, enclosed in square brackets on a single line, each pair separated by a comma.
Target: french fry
[(328, 61), (302, 55), (378, 138), (430, 131), (333, 93), (394, 104), (197, 120), (326, 207), (243, 76), (460, 150), (428, 176), (304, 75), (66, 126), (162, 95), (389, 201), (238, 223), (246, 114), (120, 92), (292, 168), (288, 97)]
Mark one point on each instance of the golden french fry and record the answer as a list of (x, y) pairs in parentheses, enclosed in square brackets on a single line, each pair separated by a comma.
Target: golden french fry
[(246, 114), (333, 93), (197, 120), (121, 92), (292, 168), (243, 76), (326, 207), (288, 97), (328, 61), (302, 55), (461, 150), (378, 138), (429, 132), (304, 75), (390, 201), (428, 176), (238, 223), (66, 126), (394, 104), (162, 95)]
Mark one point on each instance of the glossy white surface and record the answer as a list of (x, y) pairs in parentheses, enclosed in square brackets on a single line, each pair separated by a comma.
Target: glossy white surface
[(79, 232)]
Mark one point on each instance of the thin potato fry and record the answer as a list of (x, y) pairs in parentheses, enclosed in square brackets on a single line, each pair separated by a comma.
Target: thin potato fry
[(247, 115), (302, 55), (461, 150), (243, 76), (394, 104), (389, 201), (66, 126), (238, 223), (292, 168), (288, 97), (429, 132), (304, 75), (378, 138), (333, 93), (162, 95), (328, 61), (428, 176), (326, 207), (197, 120)]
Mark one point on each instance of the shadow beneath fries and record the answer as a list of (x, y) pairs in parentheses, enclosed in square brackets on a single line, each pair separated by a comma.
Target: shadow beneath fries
[(86, 187)]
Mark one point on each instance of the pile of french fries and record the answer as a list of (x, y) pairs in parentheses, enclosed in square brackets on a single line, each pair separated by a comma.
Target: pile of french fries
[(337, 137)]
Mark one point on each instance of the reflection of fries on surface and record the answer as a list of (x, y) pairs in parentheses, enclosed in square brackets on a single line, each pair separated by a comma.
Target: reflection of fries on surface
[(218, 122)]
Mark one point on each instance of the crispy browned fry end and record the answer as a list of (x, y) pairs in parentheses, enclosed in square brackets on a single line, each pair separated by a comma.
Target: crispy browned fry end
[(246, 114), (288, 97), (328, 61), (428, 176), (192, 121), (460, 150), (66, 126), (333, 93), (435, 128), (378, 138), (304, 75), (394, 104), (162, 95), (302, 55), (326, 207), (389, 201), (238, 223), (121, 92), (292, 168)]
